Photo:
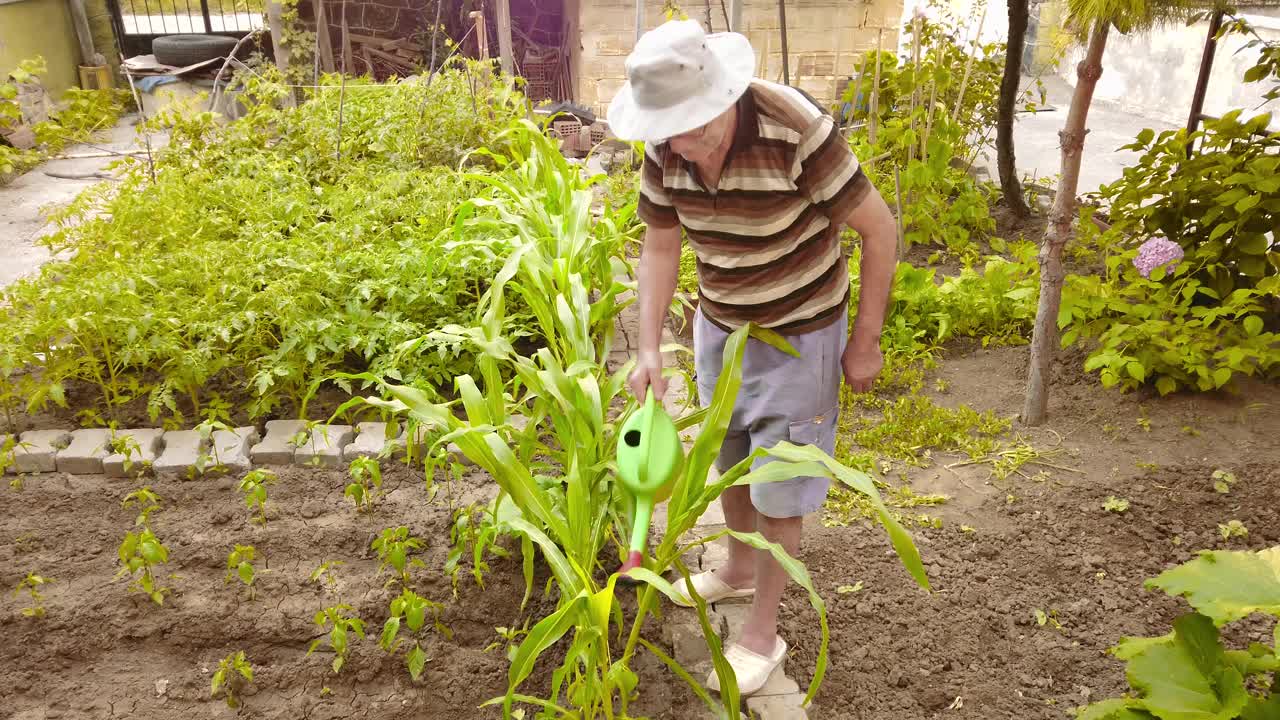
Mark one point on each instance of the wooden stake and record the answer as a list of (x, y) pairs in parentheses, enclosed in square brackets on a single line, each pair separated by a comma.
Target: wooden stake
[(324, 45), (504, 36), (874, 119), (968, 68), (482, 37), (928, 123), (915, 81), (897, 198)]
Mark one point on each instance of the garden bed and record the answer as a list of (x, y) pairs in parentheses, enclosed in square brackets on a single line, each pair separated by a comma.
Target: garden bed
[(896, 651)]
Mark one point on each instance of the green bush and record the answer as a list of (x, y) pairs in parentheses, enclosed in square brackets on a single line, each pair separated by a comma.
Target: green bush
[(262, 257)]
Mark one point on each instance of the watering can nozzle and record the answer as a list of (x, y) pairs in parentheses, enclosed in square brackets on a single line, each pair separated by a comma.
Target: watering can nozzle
[(649, 457)]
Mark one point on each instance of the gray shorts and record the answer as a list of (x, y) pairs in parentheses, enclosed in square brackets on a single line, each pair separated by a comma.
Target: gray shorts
[(782, 397)]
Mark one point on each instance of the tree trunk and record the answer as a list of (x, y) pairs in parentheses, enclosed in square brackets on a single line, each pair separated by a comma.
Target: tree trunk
[(1044, 341), (1008, 166)]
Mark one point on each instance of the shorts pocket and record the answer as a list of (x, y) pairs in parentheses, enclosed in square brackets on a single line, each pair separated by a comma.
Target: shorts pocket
[(819, 431)]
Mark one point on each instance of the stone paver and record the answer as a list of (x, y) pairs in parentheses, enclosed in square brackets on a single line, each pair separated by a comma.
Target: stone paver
[(148, 442), (324, 447), (230, 448), (371, 440), (777, 707), (86, 452), (182, 450), (37, 450), (277, 448)]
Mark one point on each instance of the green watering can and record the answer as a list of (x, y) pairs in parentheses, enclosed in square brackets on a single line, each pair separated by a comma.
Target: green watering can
[(649, 457)]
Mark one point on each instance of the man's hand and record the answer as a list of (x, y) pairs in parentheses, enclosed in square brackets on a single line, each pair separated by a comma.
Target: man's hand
[(861, 362), (647, 373)]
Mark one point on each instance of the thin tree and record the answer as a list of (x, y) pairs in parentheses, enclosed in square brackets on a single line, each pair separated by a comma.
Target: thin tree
[(1007, 165), (1098, 17)]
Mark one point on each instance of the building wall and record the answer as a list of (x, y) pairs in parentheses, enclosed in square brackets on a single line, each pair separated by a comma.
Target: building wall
[(826, 39), (1153, 74), (40, 27)]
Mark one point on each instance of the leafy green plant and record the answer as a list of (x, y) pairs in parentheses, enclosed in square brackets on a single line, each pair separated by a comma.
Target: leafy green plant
[(341, 626), (1223, 480), (1172, 329), (139, 554), (1188, 672), (1232, 529), (366, 483), (324, 575), (409, 614), (1115, 504), (147, 502), (558, 493), (240, 566), (127, 446), (394, 547), (31, 585), (1219, 204), (254, 488), (233, 673)]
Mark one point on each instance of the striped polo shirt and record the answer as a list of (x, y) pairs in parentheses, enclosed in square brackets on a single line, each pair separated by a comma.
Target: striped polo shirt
[(767, 238)]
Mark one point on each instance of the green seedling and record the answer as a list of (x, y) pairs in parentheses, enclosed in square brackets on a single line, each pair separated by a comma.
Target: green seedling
[(366, 483), (32, 584), (234, 672), (254, 486), (147, 502), (1147, 466), (393, 548), (240, 565), (128, 447), (409, 613), (1223, 480), (1050, 618), (341, 626), (511, 636), (1115, 504), (849, 589), (139, 554), (323, 575), (209, 461), (1233, 529)]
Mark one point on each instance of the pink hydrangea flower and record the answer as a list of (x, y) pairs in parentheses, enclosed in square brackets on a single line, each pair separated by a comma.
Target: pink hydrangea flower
[(1157, 252)]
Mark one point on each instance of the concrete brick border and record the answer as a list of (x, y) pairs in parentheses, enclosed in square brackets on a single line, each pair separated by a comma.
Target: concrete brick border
[(148, 441)]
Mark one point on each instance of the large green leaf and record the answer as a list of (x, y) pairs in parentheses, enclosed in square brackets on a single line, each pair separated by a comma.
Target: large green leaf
[(810, 459), (542, 636), (1227, 585), (1115, 709), (1185, 678)]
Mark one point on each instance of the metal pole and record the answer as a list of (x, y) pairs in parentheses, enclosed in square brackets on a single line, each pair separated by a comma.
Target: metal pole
[(208, 22), (782, 22), (735, 15), (1202, 82), (639, 19)]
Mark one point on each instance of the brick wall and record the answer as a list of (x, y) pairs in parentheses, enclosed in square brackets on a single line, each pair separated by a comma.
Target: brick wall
[(825, 41)]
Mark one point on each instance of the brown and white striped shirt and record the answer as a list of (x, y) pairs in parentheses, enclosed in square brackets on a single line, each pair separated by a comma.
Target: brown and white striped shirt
[(767, 238)]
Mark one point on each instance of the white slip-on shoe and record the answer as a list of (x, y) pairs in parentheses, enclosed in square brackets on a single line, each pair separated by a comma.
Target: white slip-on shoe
[(711, 588), (751, 669)]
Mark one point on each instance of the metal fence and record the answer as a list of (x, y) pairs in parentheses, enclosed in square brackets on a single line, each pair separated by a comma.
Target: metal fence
[(138, 22)]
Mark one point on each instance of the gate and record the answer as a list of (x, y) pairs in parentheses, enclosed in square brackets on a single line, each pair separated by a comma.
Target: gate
[(138, 22)]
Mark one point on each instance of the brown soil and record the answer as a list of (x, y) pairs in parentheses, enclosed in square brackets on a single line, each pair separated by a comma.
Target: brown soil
[(102, 652), (896, 652)]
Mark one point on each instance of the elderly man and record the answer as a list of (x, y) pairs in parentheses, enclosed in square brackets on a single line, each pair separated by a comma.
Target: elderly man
[(760, 179)]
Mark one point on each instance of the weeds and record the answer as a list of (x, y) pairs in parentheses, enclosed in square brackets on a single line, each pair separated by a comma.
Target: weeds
[(31, 584), (233, 673)]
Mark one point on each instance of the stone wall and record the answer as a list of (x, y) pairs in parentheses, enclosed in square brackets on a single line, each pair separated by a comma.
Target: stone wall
[(40, 27), (825, 41)]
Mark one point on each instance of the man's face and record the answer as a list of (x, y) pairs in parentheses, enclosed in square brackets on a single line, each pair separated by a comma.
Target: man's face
[(700, 144)]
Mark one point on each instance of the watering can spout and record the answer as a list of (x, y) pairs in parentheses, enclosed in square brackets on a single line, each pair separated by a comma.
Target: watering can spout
[(649, 457)]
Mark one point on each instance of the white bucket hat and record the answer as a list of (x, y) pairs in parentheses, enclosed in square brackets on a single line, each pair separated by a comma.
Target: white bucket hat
[(679, 78)]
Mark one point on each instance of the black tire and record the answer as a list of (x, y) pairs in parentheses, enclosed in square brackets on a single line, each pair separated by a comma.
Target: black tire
[(183, 50)]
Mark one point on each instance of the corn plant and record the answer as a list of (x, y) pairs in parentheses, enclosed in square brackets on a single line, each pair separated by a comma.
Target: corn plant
[(233, 673), (341, 626), (394, 546), (240, 565), (31, 584), (139, 554), (254, 487), (366, 483), (558, 494), (409, 614), (147, 502)]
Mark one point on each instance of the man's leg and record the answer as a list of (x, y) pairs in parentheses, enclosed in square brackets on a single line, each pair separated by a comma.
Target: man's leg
[(739, 515), (760, 631)]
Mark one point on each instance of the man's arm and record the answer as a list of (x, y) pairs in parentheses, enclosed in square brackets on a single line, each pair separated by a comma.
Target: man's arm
[(659, 268), (872, 221)]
